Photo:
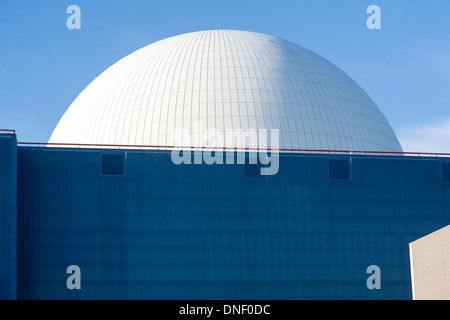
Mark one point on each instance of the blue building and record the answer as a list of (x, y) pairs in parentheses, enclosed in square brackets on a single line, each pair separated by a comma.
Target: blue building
[(154, 230), (106, 195)]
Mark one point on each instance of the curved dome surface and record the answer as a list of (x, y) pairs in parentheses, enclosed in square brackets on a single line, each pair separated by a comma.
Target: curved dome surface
[(226, 80)]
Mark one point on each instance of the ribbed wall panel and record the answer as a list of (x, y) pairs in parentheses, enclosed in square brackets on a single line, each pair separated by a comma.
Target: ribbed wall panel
[(8, 217), (164, 231)]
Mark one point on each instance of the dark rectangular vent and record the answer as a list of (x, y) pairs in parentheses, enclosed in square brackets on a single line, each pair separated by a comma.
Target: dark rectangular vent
[(339, 169), (113, 164), (253, 166), (446, 171), (253, 171)]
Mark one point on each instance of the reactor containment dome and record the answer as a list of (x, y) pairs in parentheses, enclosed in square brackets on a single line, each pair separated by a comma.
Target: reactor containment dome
[(221, 80)]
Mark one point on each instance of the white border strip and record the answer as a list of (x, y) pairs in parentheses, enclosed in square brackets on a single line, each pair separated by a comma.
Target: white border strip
[(412, 270)]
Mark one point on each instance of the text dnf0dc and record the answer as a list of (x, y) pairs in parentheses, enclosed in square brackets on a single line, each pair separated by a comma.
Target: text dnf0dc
[(246, 309)]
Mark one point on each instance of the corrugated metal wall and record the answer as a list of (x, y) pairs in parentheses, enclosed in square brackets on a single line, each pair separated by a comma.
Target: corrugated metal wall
[(8, 217), (206, 232)]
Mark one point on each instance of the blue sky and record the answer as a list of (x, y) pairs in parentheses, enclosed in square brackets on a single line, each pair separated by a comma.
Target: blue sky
[(404, 67)]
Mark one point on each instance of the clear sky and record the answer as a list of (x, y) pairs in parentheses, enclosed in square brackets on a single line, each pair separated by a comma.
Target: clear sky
[(404, 66)]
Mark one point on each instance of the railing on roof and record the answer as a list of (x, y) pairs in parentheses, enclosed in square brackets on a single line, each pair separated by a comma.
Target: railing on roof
[(310, 151), (8, 131)]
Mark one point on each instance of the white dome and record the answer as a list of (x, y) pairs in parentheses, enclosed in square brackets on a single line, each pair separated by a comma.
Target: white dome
[(227, 80)]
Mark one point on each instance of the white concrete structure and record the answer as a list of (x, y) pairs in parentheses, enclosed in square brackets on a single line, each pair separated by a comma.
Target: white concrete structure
[(430, 266), (226, 79)]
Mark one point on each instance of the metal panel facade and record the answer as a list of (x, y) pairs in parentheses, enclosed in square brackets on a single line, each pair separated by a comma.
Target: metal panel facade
[(166, 231), (8, 217)]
